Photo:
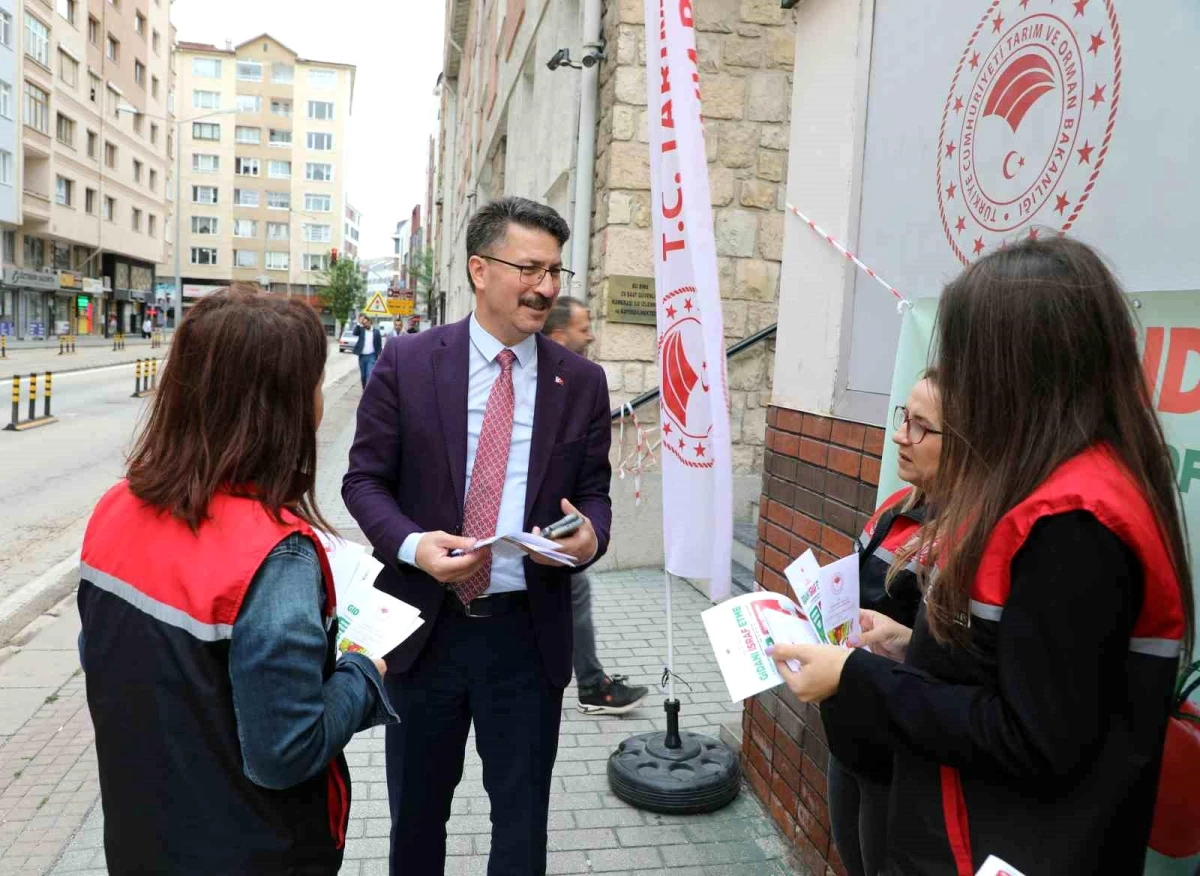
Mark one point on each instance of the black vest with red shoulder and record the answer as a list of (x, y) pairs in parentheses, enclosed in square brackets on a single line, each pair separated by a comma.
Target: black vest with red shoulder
[(890, 530), (946, 820), (158, 604)]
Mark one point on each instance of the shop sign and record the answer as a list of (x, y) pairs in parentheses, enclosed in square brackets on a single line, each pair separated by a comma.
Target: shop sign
[(93, 286), (30, 279), (70, 280)]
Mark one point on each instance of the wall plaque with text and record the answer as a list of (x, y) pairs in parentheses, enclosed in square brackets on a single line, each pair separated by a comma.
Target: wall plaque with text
[(631, 299)]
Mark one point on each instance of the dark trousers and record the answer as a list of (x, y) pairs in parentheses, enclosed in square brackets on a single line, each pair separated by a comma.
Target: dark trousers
[(487, 670), (858, 815), (588, 671)]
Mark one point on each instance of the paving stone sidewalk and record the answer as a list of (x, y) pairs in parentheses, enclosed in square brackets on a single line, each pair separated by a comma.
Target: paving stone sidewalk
[(51, 820)]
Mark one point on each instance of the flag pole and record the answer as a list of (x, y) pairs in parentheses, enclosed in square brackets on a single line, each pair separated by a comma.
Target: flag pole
[(671, 706)]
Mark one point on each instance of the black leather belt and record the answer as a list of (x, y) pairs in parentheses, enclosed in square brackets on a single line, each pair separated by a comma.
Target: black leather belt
[(496, 605)]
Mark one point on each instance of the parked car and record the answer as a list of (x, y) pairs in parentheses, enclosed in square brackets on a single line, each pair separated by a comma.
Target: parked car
[(346, 341)]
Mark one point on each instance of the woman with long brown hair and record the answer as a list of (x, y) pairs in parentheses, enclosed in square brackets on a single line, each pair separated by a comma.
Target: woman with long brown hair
[(220, 705), (1027, 716)]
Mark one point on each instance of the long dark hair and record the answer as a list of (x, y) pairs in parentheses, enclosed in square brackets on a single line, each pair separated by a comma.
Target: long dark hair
[(235, 409), (1037, 360)]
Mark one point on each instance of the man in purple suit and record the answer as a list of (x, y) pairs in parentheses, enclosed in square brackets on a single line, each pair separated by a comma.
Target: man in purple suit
[(466, 430)]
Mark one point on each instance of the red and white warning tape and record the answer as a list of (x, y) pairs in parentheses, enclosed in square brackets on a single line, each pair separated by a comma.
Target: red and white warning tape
[(901, 301), (642, 456)]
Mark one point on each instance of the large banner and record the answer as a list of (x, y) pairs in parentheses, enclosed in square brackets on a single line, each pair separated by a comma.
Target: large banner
[(694, 404), (1170, 336)]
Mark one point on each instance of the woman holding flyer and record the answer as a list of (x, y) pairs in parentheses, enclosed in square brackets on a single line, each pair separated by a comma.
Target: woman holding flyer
[(220, 707), (1028, 715), (860, 773)]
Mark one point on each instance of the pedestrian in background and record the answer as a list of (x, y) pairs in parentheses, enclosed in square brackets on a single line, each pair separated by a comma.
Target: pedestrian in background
[(147, 327), (220, 704), (570, 324), (1028, 715), (367, 347)]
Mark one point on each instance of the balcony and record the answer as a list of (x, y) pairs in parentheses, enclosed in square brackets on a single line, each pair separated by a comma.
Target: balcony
[(35, 205)]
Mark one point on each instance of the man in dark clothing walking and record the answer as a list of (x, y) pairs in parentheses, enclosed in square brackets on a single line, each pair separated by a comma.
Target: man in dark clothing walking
[(367, 347)]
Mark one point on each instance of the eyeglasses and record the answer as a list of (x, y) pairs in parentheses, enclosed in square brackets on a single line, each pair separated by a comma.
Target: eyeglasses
[(531, 275), (915, 429)]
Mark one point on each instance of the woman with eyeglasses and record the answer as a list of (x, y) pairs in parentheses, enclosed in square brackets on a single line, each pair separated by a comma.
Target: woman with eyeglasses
[(1028, 712), (860, 773)]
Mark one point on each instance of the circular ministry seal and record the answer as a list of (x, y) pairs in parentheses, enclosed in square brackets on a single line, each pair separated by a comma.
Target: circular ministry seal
[(1028, 120), (684, 398)]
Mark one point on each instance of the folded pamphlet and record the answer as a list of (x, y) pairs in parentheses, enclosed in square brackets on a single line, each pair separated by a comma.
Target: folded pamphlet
[(824, 611), (530, 544)]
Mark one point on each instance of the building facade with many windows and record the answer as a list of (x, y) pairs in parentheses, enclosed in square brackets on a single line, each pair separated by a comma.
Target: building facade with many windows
[(263, 172)]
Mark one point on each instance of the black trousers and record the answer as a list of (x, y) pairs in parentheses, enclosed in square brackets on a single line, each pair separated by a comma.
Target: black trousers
[(486, 670)]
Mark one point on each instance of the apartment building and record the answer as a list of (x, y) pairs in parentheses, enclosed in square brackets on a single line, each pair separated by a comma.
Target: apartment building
[(84, 132), (263, 170), (353, 224)]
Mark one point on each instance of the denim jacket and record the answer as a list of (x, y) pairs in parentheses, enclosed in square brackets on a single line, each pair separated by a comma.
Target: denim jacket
[(290, 720)]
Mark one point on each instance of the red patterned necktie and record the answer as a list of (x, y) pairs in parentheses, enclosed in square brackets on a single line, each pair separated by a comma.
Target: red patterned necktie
[(488, 473)]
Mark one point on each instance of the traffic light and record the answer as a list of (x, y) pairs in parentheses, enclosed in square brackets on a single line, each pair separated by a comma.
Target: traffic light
[(333, 256)]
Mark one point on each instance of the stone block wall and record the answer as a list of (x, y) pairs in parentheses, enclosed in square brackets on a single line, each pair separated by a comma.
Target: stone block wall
[(819, 487), (745, 50)]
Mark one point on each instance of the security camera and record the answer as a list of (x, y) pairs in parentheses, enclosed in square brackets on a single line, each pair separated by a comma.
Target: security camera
[(593, 53), (561, 58)]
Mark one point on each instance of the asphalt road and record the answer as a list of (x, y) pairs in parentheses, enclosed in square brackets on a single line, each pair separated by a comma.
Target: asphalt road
[(54, 475)]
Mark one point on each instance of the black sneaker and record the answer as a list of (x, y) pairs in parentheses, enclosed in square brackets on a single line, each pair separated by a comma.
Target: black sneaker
[(612, 697)]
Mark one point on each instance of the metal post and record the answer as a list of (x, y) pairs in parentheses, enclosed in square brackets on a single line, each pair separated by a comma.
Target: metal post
[(16, 400), (137, 379), (153, 374), (3, 346), (33, 396), (49, 378), (61, 344)]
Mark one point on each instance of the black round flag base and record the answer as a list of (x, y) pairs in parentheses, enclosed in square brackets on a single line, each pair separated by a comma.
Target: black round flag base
[(698, 774)]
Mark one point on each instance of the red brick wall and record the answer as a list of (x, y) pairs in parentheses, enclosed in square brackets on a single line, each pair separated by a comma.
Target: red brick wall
[(820, 479)]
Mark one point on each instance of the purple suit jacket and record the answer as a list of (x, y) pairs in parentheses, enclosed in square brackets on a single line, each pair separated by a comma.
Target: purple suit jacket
[(408, 471)]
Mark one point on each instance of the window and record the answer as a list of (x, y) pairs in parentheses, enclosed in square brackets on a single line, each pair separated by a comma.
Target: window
[(37, 40), (67, 9), (35, 252), (206, 131), (282, 73), (137, 170), (209, 100), (316, 261), (245, 258), (154, 87), (6, 167), (68, 69), (280, 137), (249, 103), (318, 233), (320, 142), (93, 87), (205, 163), (37, 108), (204, 255), (153, 133), (155, 43), (153, 180), (318, 203), (139, 23), (6, 29), (5, 100), (318, 172), (275, 261), (89, 201), (93, 31), (65, 130), (139, 121), (322, 79), (245, 228), (137, 219), (64, 191), (204, 225), (139, 73), (110, 208), (320, 110), (279, 169), (110, 154), (152, 225), (207, 68), (246, 166), (245, 197), (281, 108), (92, 142), (279, 200), (112, 48), (204, 194), (249, 71), (114, 101), (277, 231), (243, 134)]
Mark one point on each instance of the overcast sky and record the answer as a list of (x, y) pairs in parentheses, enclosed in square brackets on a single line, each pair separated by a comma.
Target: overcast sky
[(397, 48)]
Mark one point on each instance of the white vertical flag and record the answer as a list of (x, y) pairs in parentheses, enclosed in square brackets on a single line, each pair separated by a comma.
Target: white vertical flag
[(694, 405)]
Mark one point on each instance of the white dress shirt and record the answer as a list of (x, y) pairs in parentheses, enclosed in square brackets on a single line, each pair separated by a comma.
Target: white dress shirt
[(368, 340), (508, 570)]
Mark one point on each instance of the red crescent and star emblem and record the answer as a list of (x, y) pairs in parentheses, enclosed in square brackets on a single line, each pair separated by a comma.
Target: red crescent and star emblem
[(684, 400), (1028, 121)]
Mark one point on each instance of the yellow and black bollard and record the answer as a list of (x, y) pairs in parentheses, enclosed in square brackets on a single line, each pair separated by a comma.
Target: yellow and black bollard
[(16, 402), (3, 346), (46, 411), (73, 337), (33, 396), (153, 375), (137, 380), (17, 425), (62, 344)]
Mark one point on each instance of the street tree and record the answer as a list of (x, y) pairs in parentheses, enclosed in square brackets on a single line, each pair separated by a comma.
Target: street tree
[(345, 290), (424, 277)]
